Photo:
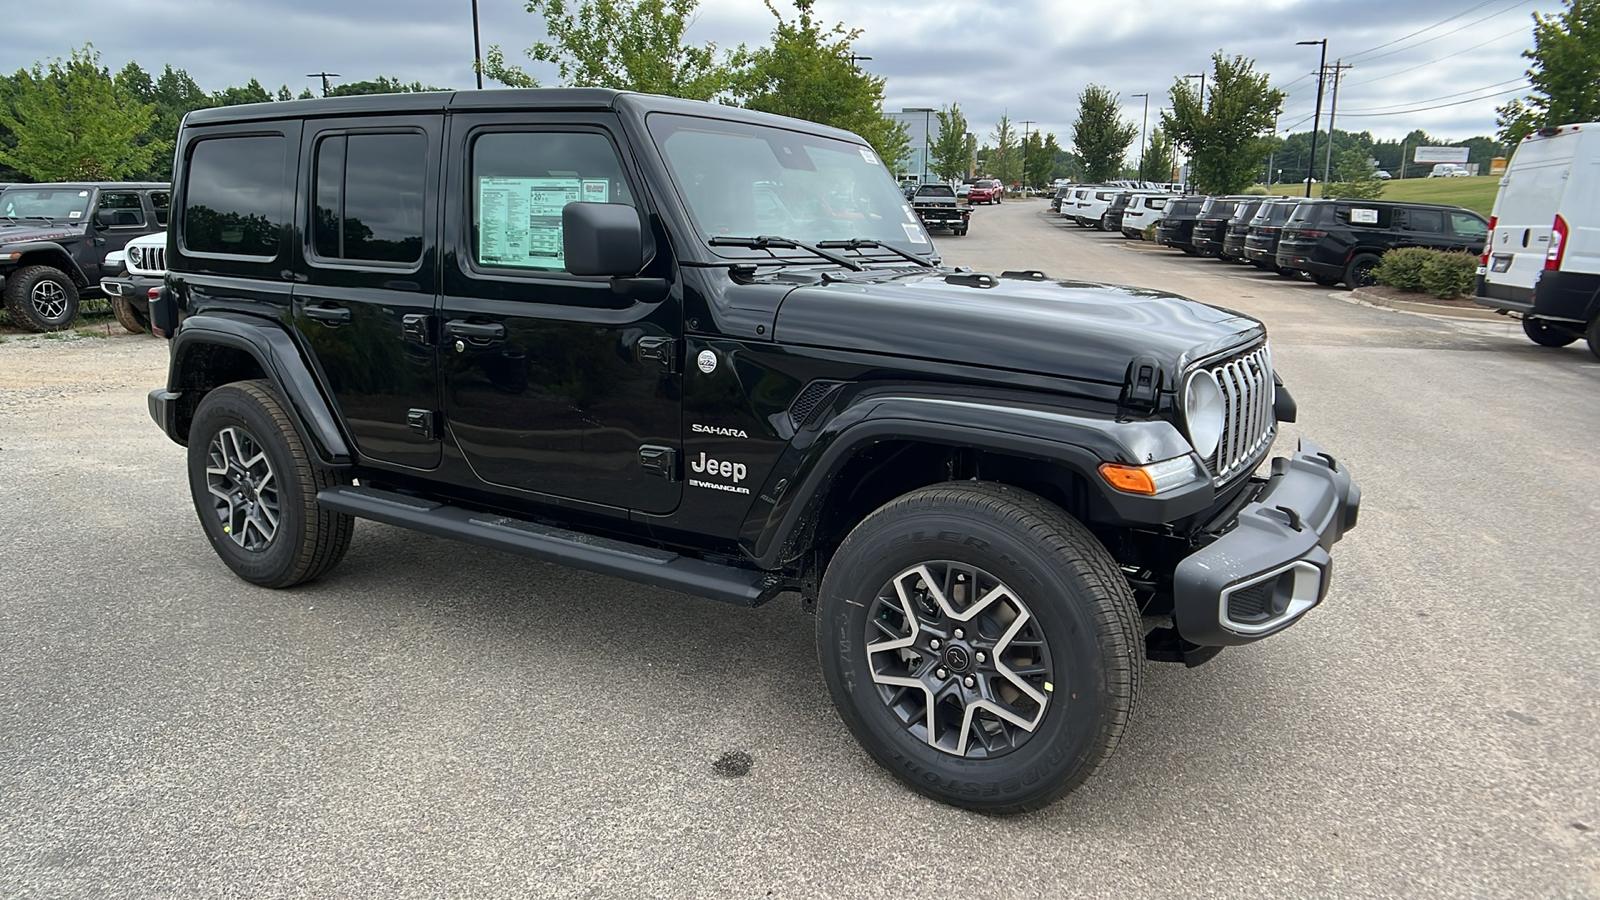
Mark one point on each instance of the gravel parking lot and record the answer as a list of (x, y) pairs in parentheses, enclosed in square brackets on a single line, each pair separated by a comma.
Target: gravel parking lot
[(437, 720)]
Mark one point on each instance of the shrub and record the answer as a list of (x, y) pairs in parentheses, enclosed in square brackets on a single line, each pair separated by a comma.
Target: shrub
[(1437, 272), (1353, 190), (1256, 190), (1150, 232)]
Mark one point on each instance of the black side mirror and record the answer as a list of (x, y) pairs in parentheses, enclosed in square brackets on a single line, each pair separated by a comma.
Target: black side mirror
[(105, 218), (602, 239)]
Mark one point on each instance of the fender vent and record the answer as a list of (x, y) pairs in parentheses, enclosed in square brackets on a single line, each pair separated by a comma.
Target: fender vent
[(810, 402)]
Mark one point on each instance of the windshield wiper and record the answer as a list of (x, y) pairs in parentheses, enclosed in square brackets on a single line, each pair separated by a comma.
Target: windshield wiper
[(46, 218), (870, 244), (770, 242)]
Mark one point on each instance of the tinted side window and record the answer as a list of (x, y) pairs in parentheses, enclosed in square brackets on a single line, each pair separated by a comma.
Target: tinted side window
[(236, 196), (1468, 226), (520, 183), (369, 191), (162, 201), (1429, 220), (127, 209)]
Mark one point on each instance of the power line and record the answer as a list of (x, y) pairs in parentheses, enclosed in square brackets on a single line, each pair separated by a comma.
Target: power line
[(1517, 30), (1519, 78), (1403, 112), (1444, 21), (1448, 33)]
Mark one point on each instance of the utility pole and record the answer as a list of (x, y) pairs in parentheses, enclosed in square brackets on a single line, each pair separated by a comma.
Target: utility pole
[(1142, 123), (1316, 117), (1274, 152), (1333, 107), (1024, 149), (1402, 160), (324, 76), (854, 59), (477, 46)]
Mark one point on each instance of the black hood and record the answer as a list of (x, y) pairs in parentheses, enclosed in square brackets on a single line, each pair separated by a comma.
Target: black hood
[(21, 230), (1071, 329)]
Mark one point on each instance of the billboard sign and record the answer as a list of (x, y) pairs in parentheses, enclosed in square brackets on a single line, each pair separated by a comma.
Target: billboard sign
[(1442, 154)]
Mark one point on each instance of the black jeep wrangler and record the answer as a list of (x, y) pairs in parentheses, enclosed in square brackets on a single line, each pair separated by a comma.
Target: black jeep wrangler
[(713, 350), (54, 239)]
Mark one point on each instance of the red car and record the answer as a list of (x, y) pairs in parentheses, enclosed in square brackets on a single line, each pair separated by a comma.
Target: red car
[(986, 190)]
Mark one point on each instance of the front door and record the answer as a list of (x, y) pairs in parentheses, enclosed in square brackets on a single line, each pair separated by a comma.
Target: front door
[(553, 383), (118, 217), (367, 278)]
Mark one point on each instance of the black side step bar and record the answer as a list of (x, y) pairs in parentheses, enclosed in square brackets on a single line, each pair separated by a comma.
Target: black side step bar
[(661, 568)]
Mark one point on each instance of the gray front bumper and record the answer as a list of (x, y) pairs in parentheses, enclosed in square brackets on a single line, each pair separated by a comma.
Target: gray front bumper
[(1274, 565)]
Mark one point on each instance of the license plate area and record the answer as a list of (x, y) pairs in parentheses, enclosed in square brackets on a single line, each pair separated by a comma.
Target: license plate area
[(1500, 264)]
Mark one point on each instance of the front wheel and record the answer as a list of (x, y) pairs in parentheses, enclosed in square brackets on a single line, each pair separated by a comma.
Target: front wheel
[(129, 316), (41, 298), (981, 644), (1546, 335), (255, 489)]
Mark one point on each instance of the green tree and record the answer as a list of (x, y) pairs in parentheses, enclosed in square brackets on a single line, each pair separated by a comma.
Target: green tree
[(1158, 160), (380, 85), (1004, 161), (236, 96), (807, 73), (1223, 133), (1039, 159), (952, 149), (1565, 74), (630, 45), (69, 123), (1355, 170), (1099, 134)]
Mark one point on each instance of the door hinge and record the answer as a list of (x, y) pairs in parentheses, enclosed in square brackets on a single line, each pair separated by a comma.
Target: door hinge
[(663, 350), (423, 422), (662, 461), (418, 327)]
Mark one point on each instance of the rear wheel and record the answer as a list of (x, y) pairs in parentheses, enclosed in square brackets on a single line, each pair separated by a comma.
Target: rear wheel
[(981, 644), (1593, 337), (255, 489), (1358, 272), (1547, 335)]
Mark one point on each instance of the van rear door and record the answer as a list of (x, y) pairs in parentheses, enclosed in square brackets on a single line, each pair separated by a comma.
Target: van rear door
[(1530, 196)]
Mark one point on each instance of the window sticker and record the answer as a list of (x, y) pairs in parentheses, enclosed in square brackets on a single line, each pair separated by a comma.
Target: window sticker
[(83, 193), (869, 156), (1364, 216), (914, 233), (74, 214), (597, 190), (519, 219)]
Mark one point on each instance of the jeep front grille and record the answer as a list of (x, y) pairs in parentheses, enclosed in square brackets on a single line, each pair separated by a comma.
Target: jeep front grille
[(150, 260), (1248, 424)]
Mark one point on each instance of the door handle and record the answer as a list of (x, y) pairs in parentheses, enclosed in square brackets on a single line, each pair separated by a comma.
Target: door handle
[(479, 332), (333, 315)]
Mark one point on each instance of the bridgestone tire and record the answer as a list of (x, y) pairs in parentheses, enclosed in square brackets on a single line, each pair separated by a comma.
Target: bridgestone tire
[(1547, 335), (308, 541), (1074, 592), (129, 316), (23, 301)]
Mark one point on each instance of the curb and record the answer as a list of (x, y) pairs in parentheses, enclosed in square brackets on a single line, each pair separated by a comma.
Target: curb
[(1366, 298)]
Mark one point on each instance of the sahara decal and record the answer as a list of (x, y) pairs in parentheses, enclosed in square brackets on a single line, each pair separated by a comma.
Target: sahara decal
[(718, 431)]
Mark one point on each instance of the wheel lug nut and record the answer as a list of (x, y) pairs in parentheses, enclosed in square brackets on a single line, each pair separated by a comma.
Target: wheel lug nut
[(960, 634), (941, 672), (981, 656), (969, 681), (934, 644)]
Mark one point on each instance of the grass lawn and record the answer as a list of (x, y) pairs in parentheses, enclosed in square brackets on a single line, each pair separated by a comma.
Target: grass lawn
[(1475, 193)]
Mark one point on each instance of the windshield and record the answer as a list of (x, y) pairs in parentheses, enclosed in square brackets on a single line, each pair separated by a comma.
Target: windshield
[(742, 180), (52, 203)]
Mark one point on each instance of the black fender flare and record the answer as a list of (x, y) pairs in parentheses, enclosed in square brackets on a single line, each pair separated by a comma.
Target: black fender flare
[(279, 357), (791, 501), (54, 250)]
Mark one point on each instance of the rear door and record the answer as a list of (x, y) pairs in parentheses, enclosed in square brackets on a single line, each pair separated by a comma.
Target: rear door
[(553, 382), (1530, 196), (368, 274)]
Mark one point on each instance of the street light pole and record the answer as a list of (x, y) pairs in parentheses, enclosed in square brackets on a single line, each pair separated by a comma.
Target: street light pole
[(477, 46), (1142, 124), (1316, 117)]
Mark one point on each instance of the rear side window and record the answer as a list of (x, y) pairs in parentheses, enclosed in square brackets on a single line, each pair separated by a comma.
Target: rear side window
[(1364, 216), (1155, 202), (126, 209), (521, 181), (369, 191), (236, 196), (1425, 220), (162, 201), (1307, 213)]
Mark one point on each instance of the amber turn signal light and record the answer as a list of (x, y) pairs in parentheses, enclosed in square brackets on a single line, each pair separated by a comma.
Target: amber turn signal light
[(1129, 479)]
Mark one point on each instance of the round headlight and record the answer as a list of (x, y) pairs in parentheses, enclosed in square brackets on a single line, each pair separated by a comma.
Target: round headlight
[(1202, 412)]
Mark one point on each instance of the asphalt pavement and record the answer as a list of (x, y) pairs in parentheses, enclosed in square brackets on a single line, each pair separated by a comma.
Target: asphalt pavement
[(437, 720)]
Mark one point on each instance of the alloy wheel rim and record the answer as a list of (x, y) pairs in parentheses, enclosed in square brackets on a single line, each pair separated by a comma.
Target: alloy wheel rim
[(243, 488), (958, 659), (49, 299)]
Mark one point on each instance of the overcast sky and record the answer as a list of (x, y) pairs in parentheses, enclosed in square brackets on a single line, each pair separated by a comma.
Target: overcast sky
[(1029, 58)]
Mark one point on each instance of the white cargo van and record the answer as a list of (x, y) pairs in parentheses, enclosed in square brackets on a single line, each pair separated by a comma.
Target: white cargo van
[(1542, 260)]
